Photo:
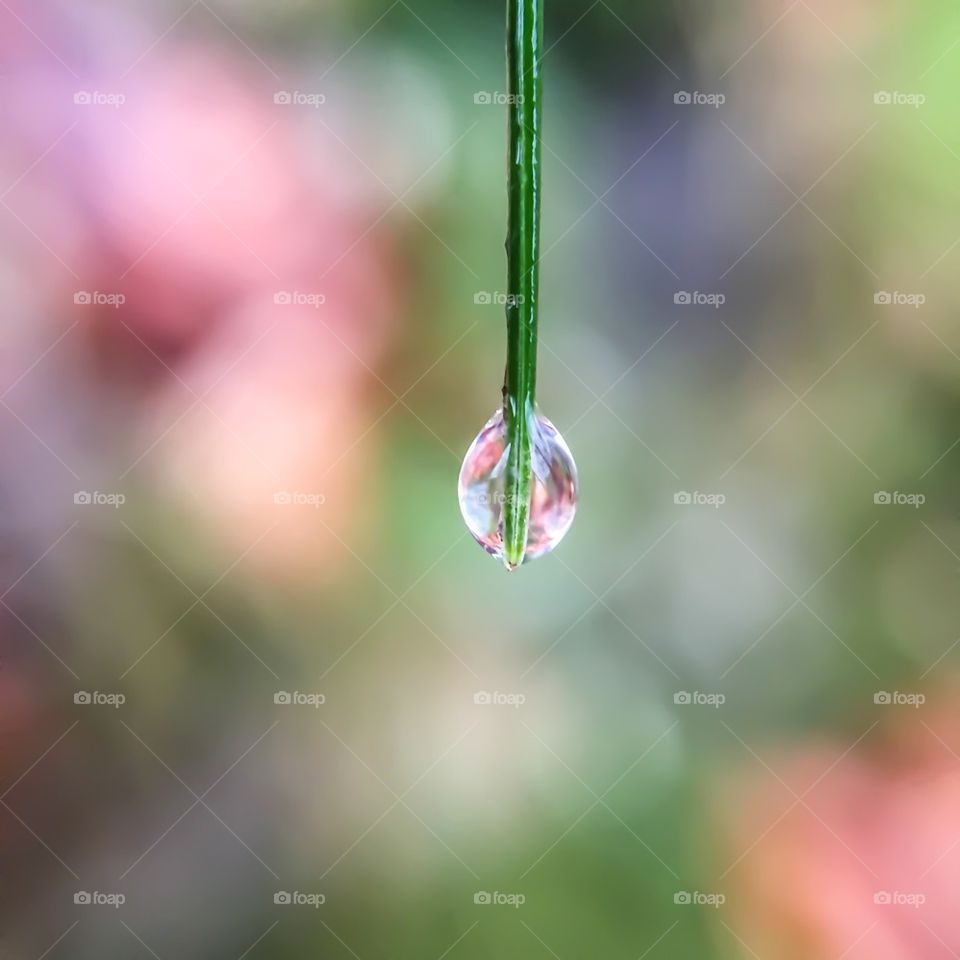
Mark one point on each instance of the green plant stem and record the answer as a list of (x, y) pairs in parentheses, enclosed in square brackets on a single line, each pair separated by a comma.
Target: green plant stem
[(524, 52)]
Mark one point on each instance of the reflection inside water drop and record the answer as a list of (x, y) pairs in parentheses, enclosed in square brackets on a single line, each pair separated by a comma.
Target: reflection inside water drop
[(554, 488)]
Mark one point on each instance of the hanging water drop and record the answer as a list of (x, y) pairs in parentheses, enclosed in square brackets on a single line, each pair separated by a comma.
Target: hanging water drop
[(553, 491)]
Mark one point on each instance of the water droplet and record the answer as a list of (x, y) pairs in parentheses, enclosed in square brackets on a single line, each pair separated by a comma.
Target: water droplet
[(553, 501)]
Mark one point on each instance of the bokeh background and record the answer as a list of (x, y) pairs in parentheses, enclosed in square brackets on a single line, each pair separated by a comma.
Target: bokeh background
[(262, 696)]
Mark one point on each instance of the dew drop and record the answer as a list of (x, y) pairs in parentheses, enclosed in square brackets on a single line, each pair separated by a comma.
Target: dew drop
[(553, 495)]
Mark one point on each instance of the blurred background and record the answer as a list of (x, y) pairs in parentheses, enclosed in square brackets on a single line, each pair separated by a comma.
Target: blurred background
[(260, 693)]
